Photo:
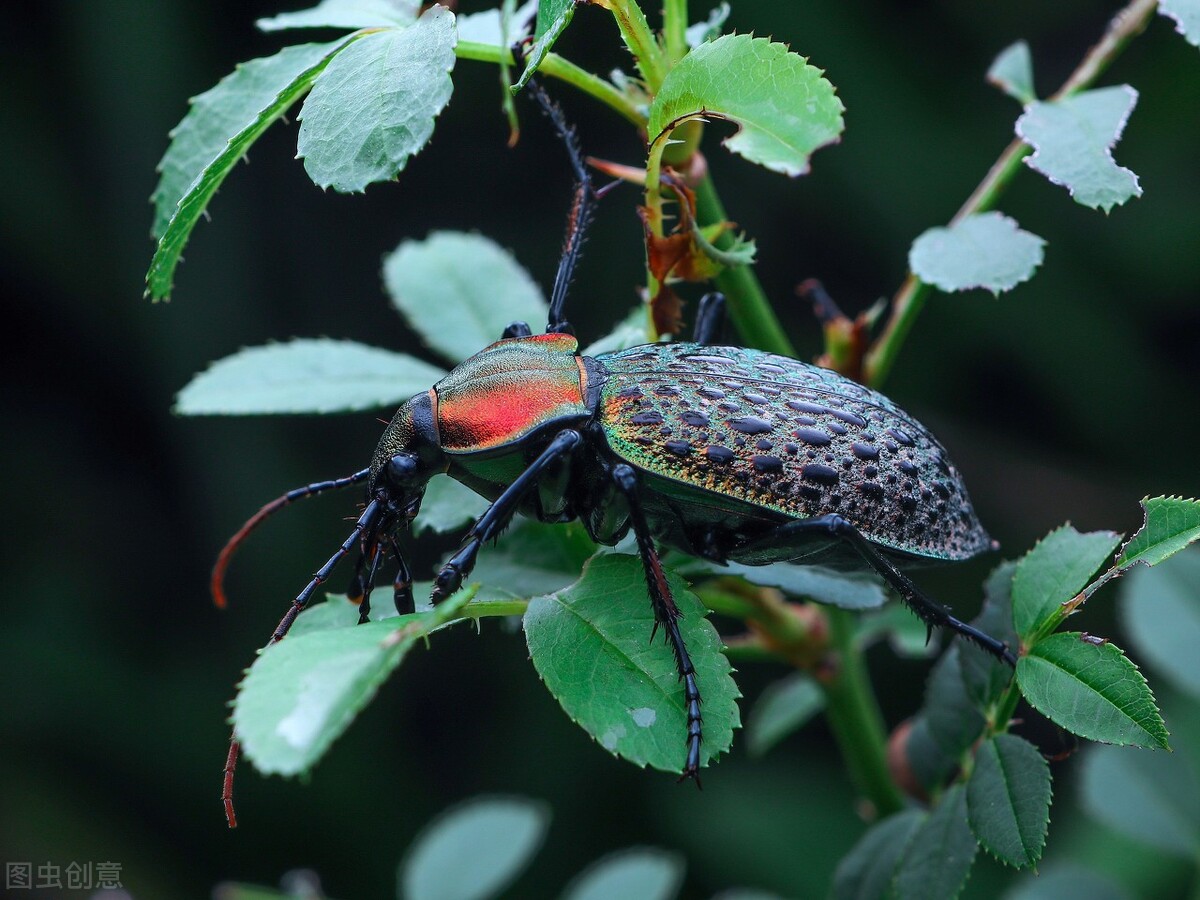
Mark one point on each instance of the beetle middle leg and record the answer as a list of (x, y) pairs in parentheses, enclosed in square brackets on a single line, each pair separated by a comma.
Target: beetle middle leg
[(497, 516), (666, 613), (929, 610)]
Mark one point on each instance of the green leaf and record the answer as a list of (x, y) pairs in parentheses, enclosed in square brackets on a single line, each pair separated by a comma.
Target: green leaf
[(303, 692), (939, 855), (1171, 524), (785, 706), (948, 724), (448, 506), (1008, 800), (984, 250), (535, 558), (1186, 14), (591, 646), (215, 134), (1073, 140), (709, 29), (306, 376), (784, 108), (347, 14), (1012, 72), (641, 872), (1053, 572), (376, 102), (1092, 690), (473, 851), (1152, 799), (552, 20), (459, 291), (984, 676), (865, 873), (1161, 612)]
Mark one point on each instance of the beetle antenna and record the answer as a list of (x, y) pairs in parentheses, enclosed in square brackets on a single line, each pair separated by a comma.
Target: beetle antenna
[(580, 216), (375, 520), (217, 582)]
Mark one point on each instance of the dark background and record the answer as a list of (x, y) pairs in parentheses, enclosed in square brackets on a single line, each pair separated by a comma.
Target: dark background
[(1068, 399)]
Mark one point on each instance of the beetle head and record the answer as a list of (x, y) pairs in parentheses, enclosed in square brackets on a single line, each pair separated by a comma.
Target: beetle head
[(408, 455)]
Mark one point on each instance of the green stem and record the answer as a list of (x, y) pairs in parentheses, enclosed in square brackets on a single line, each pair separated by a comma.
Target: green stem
[(910, 299), (481, 609), (748, 305), (556, 66), (855, 719), (675, 21), (640, 40)]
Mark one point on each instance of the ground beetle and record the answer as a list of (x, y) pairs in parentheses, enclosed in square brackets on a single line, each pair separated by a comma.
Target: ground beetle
[(724, 453)]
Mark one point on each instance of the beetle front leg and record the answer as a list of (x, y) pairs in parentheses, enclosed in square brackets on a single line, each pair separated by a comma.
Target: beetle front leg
[(666, 613), (930, 611), (497, 516)]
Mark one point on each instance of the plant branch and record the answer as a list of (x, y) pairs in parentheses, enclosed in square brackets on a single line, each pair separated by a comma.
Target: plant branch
[(640, 40), (675, 22), (855, 719), (910, 299), (555, 66)]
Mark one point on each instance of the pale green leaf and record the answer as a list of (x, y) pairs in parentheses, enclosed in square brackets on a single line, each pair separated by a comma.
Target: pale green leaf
[(590, 643), (473, 851), (448, 506), (1161, 613), (553, 17), (1171, 524), (459, 291), (1073, 140), (534, 558), (484, 27), (709, 29), (1008, 800), (848, 590), (347, 14), (985, 250), (376, 102), (213, 137), (1092, 690), (630, 332), (865, 873), (641, 872), (303, 692), (1068, 881), (306, 376), (784, 706), (1186, 14), (783, 107), (1053, 572), (940, 853), (1154, 799), (1012, 72), (907, 635)]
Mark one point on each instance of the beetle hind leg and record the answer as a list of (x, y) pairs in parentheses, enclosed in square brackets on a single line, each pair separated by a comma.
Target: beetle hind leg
[(930, 611), (710, 319), (666, 614)]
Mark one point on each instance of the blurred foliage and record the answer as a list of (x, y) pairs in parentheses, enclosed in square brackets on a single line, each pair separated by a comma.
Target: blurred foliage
[(1063, 400)]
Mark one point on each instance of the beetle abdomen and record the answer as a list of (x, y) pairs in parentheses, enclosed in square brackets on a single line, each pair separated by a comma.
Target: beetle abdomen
[(789, 437)]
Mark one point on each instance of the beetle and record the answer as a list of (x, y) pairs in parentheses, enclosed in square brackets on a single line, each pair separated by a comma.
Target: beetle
[(722, 452)]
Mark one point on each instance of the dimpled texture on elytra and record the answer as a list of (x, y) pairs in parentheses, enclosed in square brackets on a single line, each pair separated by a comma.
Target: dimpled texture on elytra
[(791, 437)]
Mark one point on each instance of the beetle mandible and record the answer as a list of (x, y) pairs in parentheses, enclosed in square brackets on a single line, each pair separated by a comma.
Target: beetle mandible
[(725, 453)]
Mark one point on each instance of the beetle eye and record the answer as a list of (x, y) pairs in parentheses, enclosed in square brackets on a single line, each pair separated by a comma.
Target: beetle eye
[(401, 468)]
